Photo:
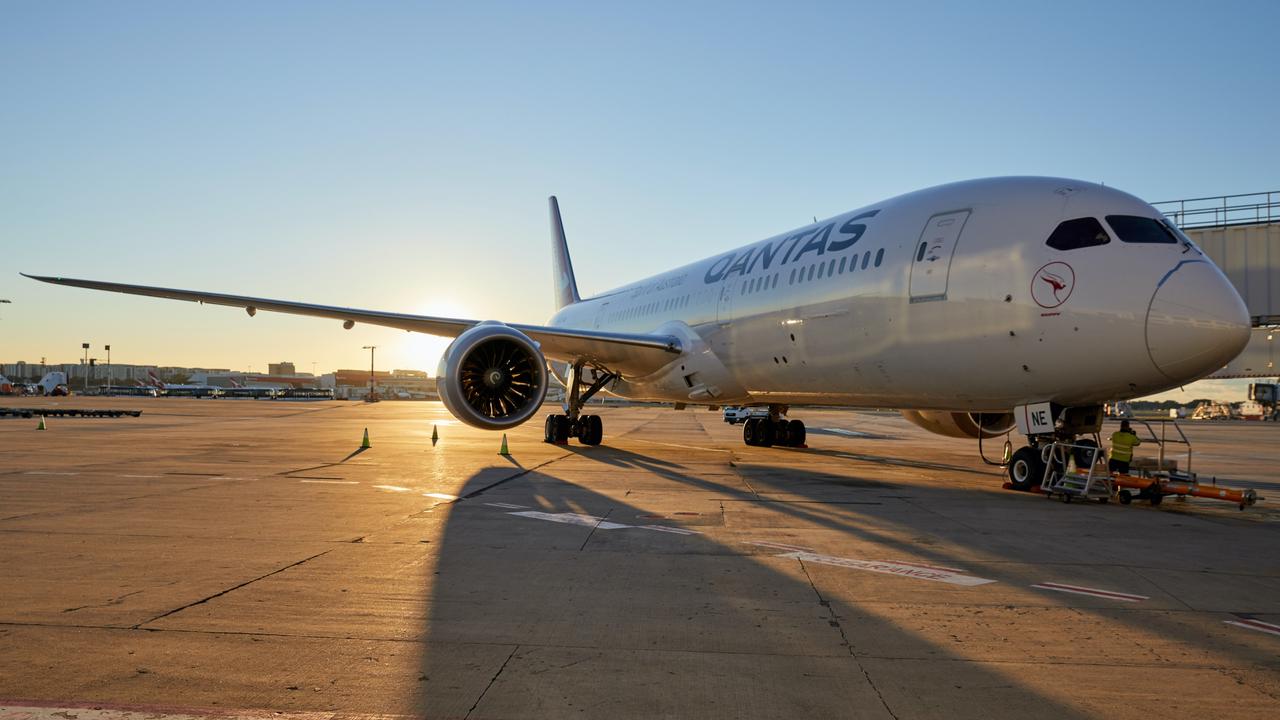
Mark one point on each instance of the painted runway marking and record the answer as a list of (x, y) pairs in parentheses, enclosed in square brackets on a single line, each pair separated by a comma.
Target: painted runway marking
[(143, 476), (393, 488), (674, 530), (332, 482), (1251, 624), (30, 710), (779, 546), (1095, 592), (847, 433), (686, 447), (440, 496), (508, 506), (929, 567), (49, 472), (572, 519), (891, 568)]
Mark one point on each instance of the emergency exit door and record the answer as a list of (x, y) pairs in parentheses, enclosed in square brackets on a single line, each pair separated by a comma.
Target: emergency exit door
[(931, 263)]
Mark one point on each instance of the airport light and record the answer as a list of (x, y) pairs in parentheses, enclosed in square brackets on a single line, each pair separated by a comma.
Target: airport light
[(85, 347), (373, 382), (108, 347)]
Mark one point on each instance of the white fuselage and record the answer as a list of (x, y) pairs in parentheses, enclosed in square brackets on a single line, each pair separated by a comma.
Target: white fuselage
[(948, 299)]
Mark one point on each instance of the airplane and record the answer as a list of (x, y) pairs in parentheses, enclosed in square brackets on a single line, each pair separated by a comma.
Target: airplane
[(185, 390), (53, 383), (976, 308)]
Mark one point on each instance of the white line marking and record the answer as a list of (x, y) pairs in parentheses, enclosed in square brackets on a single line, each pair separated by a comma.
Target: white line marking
[(392, 488), (440, 496), (509, 506), (102, 711), (572, 519), (49, 472), (664, 528), (779, 546), (847, 433), (1095, 592), (929, 567), (1255, 625), (889, 568), (686, 447), (141, 476), (331, 482)]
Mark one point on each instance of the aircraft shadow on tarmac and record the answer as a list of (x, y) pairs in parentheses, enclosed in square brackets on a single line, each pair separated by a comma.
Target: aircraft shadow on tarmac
[(568, 617)]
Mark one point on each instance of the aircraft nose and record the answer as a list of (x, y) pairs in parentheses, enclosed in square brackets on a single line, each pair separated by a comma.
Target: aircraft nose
[(1197, 322)]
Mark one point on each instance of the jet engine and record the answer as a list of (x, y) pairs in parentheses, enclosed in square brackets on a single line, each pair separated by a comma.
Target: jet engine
[(961, 424), (492, 377)]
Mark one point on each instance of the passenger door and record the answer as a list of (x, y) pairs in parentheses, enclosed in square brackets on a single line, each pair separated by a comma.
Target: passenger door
[(931, 263)]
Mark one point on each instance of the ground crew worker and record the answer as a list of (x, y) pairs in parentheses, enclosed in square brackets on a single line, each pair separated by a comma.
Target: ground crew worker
[(1123, 441)]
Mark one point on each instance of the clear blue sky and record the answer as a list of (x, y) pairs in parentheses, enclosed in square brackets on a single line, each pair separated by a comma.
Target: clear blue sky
[(398, 156)]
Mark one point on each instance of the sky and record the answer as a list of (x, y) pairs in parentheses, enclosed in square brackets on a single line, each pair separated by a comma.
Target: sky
[(398, 156)]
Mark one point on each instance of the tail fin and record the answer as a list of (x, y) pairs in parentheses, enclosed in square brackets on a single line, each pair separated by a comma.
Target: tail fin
[(565, 284)]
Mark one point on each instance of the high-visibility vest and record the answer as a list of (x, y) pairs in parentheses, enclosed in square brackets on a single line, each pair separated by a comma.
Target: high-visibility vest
[(1122, 444)]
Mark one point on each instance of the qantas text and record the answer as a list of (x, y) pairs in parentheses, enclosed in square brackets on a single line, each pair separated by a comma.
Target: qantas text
[(816, 240)]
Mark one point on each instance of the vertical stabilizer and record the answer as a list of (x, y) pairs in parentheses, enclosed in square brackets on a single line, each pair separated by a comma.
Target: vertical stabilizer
[(566, 285)]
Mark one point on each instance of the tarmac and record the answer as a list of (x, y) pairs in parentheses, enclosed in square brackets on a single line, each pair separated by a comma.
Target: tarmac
[(241, 558)]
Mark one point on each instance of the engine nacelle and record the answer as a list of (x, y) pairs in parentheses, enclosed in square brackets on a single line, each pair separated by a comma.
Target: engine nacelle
[(492, 377), (961, 424)]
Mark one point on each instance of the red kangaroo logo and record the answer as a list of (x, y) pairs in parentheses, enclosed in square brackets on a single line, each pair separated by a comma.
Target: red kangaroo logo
[(1055, 281)]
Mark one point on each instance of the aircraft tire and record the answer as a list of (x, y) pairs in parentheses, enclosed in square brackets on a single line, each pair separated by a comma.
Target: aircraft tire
[(1025, 469), (749, 431), (795, 433), (781, 436), (556, 429), (765, 433), (1083, 456), (592, 430)]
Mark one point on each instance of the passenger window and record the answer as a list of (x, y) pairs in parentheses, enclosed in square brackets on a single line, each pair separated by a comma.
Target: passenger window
[(831, 267), (920, 253), (792, 281), (1079, 233), (843, 260), (879, 256), (811, 269), (821, 267), (1135, 229), (866, 258)]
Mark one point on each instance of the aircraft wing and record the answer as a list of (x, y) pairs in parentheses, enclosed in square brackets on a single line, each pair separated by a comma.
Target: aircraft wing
[(625, 353)]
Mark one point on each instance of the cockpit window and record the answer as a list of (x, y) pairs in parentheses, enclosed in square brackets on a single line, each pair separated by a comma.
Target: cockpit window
[(1135, 229), (1079, 233)]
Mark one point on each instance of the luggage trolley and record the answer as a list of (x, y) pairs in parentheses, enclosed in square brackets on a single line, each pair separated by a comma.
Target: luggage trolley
[(1073, 471)]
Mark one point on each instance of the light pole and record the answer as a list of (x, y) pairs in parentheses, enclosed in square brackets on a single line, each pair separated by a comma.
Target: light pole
[(108, 347), (373, 382), (85, 347)]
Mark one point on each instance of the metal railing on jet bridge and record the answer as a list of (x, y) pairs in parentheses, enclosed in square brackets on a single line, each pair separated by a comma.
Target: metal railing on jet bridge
[(1223, 210)]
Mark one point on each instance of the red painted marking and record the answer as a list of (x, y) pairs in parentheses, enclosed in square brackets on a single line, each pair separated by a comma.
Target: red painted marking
[(1091, 591)]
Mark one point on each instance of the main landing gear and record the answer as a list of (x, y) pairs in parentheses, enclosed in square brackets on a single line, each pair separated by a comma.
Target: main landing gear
[(588, 429), (773, 430)]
